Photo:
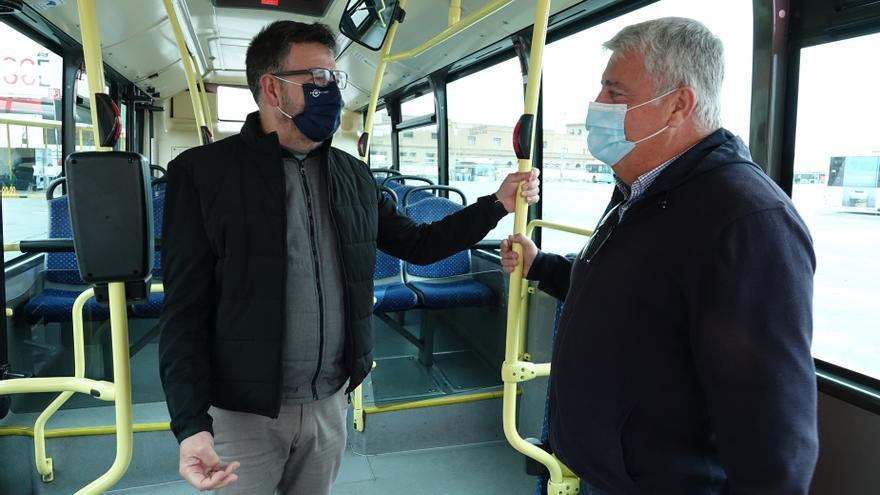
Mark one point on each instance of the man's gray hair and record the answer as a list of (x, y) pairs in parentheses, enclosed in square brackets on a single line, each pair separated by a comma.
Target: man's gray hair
[(678, 52)]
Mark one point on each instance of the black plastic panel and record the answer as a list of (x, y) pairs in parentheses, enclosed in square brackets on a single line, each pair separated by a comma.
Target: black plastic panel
[(316, 8), (111, 213)]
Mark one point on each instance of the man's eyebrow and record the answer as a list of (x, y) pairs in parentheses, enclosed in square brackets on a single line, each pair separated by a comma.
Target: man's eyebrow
[(608, 83)]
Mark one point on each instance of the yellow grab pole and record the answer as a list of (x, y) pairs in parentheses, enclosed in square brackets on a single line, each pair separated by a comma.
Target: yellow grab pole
[(357, 405), (122, 385), (187, 68), (203, 93), (451, 31), (94, 65), (454, 11), (9, 150), (44, 464), (526, 290), (377, 83), (515, 369)]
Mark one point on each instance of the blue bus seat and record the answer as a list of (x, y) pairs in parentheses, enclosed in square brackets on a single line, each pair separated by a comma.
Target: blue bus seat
[(388, 288), (158, 213), (397, 183), (55, 304), (61, 267), (435, 289)]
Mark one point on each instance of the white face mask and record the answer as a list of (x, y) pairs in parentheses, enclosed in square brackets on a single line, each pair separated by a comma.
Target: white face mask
[(606, 138)]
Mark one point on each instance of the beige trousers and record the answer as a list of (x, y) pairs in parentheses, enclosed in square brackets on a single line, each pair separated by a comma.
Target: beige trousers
[(298, 453)]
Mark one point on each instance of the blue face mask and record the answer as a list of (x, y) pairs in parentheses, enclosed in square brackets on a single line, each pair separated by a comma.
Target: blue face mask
[(606, 138), (320, 117)]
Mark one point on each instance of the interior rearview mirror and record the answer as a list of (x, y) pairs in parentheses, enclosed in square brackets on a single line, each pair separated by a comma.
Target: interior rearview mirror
[(366, 22)]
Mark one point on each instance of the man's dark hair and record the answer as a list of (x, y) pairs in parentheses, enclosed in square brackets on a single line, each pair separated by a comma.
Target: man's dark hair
[(269, 48)]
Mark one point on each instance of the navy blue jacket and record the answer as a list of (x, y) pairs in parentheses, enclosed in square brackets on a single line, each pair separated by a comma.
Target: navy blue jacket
[(682, 362)]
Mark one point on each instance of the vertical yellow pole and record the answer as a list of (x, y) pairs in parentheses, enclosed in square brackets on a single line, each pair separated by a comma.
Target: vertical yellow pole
[(9, 150), (122, 387), (94, 66), (43, 463), (209, 117), (377, 83), (454, 11), (187, 68), (514, 370)]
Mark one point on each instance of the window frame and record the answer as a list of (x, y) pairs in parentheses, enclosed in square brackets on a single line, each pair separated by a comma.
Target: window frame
[(771, 141), (815, 23)]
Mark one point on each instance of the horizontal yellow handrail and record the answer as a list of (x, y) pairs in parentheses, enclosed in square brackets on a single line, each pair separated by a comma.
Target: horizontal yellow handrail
[(99, 389), (81, 431), (46, 124), (556, 226), (438, 401), (450, 31)]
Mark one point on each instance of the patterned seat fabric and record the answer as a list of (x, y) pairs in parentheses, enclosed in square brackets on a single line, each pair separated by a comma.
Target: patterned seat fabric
[(391, 295), (454, 294), (61, 267), (445, 294), (158, 213), (55, 305)]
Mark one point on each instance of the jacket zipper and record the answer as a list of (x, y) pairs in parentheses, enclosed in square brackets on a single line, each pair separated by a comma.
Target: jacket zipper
[(348, 345), (284, 333), (317, 267)]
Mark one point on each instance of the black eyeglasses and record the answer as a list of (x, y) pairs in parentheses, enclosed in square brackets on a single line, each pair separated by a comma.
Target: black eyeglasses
[(320, 77), (601, 234)]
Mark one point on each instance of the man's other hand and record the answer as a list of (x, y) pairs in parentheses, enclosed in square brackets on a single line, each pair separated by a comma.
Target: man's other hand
[(200, 465), (530, 188), (509, 258)]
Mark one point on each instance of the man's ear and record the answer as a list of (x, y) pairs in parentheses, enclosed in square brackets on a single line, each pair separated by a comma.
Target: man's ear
[(269, 90), (683, 102)]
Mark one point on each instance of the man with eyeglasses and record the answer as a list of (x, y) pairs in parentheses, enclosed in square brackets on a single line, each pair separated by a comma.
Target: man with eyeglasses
[(682, 360), (269, 244)]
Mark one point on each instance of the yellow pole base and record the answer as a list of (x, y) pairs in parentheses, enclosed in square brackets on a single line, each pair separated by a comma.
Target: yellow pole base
[(568, 486)]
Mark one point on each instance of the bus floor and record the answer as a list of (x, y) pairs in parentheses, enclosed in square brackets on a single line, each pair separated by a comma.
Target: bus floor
[(478, 468), (481, 469)]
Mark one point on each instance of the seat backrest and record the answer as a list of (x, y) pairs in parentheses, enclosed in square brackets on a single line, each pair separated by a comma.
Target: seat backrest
[(386, 265), (158, 191), (61, 267), (432, 209)]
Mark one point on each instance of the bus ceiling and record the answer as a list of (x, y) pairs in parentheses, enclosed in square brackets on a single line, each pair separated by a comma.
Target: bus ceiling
[(217, 33), (316, 8)]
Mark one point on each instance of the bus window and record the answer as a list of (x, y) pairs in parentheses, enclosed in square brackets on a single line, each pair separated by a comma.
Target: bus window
[(841, 140), (573, 69), (380, 141), (30, 133), (418, 147), (233, 106), (481, 123), (85, 138)]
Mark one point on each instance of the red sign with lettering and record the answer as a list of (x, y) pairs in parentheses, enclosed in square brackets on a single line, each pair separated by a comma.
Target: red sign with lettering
[(273, 3)]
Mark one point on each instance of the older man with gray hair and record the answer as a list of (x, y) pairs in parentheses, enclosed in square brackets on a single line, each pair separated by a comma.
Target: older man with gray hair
[(682, 362)]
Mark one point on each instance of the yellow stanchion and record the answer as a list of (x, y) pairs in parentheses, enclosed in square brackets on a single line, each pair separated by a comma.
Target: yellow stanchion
[(94, 63), (455, 26), (203, 94), (515, 368), (187, 68)]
